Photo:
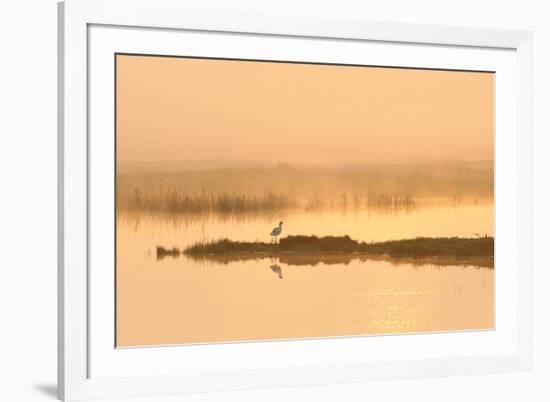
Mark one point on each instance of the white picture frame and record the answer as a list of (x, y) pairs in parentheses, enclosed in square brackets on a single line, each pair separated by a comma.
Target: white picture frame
[(78, 332)]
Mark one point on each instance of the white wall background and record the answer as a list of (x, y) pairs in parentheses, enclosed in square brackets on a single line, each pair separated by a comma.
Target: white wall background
[(28, 198)]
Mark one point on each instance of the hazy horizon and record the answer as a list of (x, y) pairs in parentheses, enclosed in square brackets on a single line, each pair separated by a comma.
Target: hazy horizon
[(175, 166)]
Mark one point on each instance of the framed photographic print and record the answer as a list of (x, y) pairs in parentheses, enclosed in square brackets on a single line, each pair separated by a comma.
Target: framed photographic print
[(251, 201)]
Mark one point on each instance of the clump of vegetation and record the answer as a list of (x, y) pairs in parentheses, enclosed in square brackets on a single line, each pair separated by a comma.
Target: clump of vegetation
[(226, 246), (164, 252), (327, 244)]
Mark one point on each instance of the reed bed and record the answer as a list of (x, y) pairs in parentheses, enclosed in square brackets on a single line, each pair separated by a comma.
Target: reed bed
[(270, 189)]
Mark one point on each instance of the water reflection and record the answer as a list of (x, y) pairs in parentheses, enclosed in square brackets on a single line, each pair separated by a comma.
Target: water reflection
[(277, 269), (438, 220), (337, 259)]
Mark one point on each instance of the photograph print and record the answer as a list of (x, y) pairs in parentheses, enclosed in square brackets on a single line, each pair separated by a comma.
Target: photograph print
[(266, 200)]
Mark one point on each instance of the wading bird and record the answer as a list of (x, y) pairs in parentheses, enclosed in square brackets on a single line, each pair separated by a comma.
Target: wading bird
[(277, 231)]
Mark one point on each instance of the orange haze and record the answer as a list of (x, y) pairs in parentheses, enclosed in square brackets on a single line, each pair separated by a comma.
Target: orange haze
[(181, 108)]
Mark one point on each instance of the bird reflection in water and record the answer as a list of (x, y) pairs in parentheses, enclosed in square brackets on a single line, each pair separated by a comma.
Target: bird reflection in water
[(277, 269)]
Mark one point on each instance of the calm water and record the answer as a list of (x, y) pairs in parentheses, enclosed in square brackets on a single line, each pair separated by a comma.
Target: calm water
[(180, 300)]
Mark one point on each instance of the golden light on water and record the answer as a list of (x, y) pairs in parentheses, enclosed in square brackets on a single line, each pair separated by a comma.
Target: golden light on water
[(179, 300)]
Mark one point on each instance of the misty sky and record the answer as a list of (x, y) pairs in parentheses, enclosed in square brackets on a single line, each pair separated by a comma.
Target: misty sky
[(181, 109)]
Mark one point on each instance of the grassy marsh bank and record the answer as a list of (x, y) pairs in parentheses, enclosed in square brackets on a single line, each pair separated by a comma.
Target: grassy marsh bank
[(309, 250)]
